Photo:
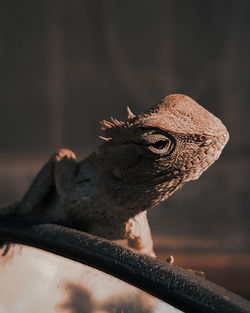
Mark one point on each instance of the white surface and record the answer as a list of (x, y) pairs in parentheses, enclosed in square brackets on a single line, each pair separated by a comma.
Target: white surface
[(34, 281)]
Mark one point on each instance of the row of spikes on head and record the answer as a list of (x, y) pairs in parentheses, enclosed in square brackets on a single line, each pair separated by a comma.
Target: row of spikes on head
[(105, 125)]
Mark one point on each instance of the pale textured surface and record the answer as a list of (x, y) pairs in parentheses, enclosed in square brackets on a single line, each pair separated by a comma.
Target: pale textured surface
[(32, 280)]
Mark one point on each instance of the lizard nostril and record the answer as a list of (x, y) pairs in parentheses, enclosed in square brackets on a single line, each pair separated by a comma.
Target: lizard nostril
[(202, 137)]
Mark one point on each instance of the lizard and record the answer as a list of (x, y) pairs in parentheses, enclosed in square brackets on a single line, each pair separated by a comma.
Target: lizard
[(142, 161)]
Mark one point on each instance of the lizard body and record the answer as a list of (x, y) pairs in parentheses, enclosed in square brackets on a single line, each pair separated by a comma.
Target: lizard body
[(141, 162)]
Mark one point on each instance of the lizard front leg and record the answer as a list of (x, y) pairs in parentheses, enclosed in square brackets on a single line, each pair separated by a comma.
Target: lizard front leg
[(139, 234), (57, 172), (38, 191), (65, 172)]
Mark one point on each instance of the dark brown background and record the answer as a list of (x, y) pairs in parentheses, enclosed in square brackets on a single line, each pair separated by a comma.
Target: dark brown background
[(65, 65)]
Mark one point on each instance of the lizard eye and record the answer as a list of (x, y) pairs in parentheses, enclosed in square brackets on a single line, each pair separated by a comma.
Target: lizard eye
[(160, 144), (157, 142)]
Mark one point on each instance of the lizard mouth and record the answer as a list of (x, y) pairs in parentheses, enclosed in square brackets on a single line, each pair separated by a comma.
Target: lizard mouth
[(169, 177)]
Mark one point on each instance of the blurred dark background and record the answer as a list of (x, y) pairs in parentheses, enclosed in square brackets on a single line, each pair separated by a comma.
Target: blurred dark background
[(65, 65)]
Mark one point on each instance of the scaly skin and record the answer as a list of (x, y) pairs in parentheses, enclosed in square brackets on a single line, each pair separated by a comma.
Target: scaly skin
[(142, 162)]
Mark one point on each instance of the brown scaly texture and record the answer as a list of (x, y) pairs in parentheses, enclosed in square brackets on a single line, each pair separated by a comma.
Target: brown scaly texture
[(141, 162)]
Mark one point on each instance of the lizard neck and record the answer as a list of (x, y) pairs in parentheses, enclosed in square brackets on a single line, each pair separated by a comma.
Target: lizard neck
[(124, 196)]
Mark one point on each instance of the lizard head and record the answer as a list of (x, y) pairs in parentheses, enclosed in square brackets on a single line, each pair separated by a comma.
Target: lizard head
[(153, 154)]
